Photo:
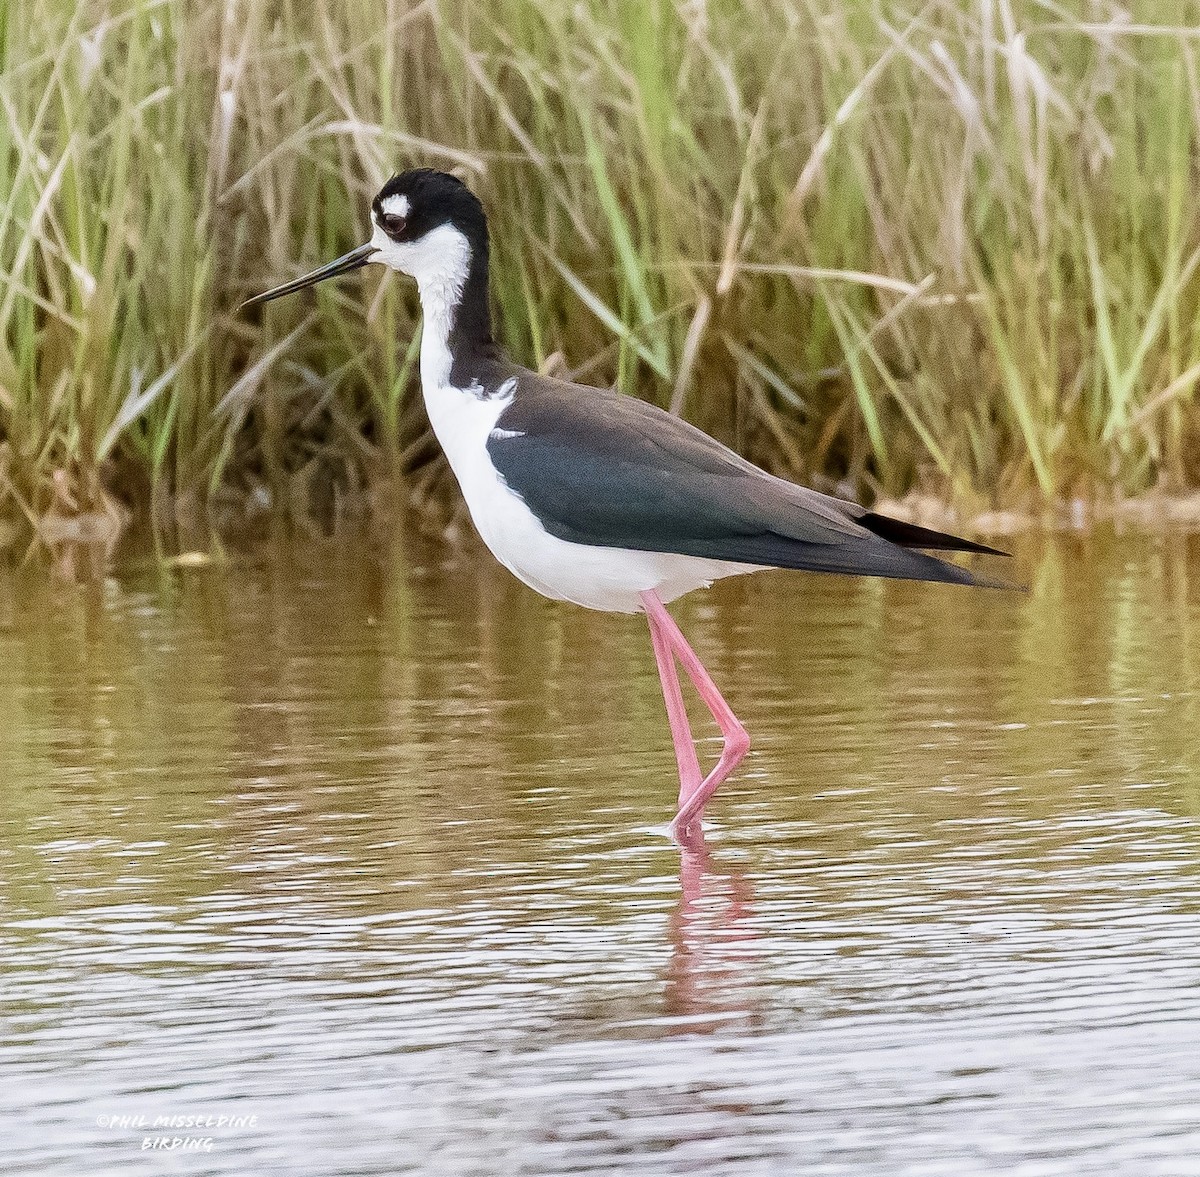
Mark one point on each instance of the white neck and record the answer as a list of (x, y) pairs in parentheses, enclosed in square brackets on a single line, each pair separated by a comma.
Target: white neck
[(440, 262), (439, 301)]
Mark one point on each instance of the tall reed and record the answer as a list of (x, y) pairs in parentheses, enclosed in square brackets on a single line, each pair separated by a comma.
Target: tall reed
[(949, 245)]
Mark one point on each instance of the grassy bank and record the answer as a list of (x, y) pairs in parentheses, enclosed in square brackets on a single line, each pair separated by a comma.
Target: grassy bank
[(949, 247)]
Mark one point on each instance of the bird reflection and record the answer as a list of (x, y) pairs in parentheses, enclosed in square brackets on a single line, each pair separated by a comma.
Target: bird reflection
[(712, 943)]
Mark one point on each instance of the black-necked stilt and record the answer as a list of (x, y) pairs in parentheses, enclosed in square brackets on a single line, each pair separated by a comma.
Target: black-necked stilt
[(601, 499)]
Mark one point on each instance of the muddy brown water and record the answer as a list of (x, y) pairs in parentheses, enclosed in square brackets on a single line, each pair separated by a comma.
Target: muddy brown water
[(355, 860)]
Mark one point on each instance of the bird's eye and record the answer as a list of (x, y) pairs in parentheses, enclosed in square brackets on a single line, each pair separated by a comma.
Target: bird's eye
[(392, 223)]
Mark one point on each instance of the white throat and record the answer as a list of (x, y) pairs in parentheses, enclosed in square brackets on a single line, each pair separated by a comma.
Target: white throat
[(440, 262)]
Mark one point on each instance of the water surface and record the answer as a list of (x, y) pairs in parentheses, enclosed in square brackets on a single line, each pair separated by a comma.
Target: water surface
[(361, 846)]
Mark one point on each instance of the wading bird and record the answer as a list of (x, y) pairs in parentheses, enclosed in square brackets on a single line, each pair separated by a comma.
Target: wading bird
[(598, 498)]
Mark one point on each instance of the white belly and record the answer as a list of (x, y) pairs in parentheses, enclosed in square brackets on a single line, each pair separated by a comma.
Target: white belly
[(597, 578)]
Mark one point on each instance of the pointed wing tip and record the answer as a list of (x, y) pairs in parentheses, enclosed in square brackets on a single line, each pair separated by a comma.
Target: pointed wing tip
[(922, 539), (985, 550)]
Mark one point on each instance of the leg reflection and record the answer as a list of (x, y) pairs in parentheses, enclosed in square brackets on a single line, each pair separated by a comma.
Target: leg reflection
[(712, 943)]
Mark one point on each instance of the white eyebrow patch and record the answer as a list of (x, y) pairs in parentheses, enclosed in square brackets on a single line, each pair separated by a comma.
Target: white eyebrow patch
[(397, 205)]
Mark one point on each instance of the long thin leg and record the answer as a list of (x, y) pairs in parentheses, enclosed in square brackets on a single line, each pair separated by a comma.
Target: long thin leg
[(664, 631), (681, 733)]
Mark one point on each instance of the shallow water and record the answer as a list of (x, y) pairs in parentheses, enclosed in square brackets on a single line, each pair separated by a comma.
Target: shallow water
[(363, 849)]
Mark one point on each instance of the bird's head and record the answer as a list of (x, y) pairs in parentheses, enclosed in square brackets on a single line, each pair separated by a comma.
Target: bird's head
[(425, 223)]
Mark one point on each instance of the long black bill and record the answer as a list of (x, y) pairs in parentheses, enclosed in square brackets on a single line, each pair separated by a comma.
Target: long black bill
[(347, 262)]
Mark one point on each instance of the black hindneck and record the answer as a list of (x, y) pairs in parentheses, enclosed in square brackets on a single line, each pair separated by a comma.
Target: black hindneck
[(471, 328)]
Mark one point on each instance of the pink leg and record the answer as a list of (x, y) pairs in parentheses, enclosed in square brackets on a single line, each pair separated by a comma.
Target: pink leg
[(681, 734), (669, 644)]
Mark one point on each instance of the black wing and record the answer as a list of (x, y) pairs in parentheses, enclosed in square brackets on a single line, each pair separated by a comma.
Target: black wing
[(612, 471)]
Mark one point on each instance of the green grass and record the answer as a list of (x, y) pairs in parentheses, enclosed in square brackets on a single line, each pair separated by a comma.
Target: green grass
[(946, 246)]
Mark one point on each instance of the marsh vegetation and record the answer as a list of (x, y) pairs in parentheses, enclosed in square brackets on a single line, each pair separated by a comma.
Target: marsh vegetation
[(942, 247)]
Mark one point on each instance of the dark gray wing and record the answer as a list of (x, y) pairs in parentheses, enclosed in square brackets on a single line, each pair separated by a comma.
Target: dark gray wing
[(612, 471)]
